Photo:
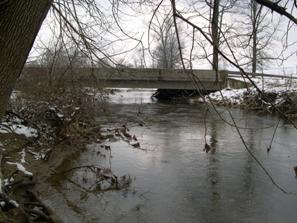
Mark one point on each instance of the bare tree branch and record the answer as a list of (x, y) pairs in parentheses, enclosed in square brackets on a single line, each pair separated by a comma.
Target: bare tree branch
[(274, 6)]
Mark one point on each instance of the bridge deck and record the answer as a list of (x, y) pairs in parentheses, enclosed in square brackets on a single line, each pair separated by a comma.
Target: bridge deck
[(137, 78)]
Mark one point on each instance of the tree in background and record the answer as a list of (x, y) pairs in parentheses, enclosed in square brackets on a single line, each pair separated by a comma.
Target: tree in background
[(166, 53), (59, 59), (214, 16), (257, 33)]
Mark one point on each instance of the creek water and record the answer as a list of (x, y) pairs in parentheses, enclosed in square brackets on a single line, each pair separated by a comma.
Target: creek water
[(173, 179)]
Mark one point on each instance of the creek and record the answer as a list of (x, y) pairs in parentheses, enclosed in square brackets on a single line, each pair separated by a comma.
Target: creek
[(172, 178)]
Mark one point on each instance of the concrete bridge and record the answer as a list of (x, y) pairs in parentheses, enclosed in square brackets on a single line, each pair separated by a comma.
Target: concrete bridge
[(133, 77)]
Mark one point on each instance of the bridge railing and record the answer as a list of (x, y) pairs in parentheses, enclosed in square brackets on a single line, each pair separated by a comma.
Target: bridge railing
[(239, 74)]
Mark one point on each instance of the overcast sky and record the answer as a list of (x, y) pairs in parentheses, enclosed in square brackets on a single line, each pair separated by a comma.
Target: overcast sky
[(134, 22)]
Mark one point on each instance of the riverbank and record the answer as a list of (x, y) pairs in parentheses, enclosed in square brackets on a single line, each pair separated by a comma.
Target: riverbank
[(277, 95), (40, 136)]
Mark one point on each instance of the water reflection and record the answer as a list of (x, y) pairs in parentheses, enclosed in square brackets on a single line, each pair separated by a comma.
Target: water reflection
[(174, 180)]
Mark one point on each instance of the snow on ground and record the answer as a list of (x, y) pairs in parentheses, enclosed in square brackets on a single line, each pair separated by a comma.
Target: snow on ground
[(234, 96), (23, 156), (267, 85), (14, 95), (38, 155), (11, 202), (14, 125), (8, 127), (20, 167)]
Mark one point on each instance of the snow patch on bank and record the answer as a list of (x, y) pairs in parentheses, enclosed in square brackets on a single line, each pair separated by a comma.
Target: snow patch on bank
[(14, 124), (267, 85), (14, 95), (23, 156), (20, 167), (8, 127), (234, 96), (11, 202), (39, 155)]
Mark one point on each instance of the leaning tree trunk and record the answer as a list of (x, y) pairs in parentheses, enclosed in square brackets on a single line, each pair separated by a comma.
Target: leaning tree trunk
[(20, 21)]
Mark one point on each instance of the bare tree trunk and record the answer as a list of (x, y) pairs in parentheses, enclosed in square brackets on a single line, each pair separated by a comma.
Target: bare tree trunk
[(20, 22), (254, 33), (215, 36)]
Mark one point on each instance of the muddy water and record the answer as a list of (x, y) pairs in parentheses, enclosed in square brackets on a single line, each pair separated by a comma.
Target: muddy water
[(173, 179)]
